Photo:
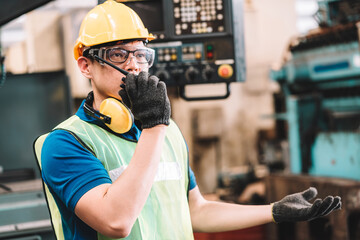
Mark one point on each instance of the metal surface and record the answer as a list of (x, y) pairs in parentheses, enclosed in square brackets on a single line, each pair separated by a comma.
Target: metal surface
[(31, 104), (23, 211), (335, 12), (182, 93), (332, 160)]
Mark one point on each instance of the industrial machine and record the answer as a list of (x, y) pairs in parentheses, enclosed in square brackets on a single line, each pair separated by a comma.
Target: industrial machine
[(31, 104), (197, 42), (320, 83), (321, 87)]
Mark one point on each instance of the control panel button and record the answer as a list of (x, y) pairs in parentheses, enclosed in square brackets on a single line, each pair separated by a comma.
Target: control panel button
[(198, 55), (225, 71), (198, 17)]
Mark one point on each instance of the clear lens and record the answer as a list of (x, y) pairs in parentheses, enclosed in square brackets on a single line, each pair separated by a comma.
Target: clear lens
[(117, 55), (142, 56)]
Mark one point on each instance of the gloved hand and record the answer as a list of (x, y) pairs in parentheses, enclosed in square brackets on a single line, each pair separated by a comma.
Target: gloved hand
[(147, 99), (296, 207)]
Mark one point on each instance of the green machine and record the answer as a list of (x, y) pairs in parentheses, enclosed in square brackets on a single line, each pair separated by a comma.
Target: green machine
[(30, 104), (320, 85)]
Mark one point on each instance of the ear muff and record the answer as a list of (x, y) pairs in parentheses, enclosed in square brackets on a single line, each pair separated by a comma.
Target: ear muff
[(121, 117), (112, 112)]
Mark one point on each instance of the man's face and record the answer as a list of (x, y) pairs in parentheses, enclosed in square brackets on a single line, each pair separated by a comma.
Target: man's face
[(105, 79)]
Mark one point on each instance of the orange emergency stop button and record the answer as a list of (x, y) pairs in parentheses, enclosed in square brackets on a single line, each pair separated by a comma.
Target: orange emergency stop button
[(225, 71)]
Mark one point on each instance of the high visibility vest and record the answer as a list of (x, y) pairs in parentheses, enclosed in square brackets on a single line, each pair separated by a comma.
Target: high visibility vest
[(165, 214)]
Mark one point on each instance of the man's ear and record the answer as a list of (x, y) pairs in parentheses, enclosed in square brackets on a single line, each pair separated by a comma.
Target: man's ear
[(84, 66)]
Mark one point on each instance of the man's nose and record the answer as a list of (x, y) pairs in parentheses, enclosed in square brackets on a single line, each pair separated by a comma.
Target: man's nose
[(131, 65)]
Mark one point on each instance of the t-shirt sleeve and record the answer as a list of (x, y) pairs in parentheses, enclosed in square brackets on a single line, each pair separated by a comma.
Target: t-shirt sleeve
[(192, 179), (69, 169)]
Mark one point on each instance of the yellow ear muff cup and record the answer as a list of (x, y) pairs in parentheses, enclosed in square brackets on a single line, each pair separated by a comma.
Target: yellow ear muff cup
[(121, 117)]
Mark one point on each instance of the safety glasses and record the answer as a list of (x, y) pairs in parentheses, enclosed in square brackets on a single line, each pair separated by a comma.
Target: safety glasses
[(120, 55)]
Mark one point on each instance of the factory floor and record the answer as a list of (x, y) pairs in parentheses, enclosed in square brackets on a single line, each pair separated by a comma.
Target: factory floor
[(253, 233)]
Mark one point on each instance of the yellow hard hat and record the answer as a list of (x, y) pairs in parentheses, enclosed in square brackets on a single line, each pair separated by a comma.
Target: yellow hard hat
[(109, 22)]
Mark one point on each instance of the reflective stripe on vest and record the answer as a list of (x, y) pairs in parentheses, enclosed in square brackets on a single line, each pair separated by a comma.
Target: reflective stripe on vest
[(165, 214), (54, 211)]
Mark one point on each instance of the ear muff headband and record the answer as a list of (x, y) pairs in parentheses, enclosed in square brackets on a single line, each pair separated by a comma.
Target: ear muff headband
[(112, 112), (93, 113)]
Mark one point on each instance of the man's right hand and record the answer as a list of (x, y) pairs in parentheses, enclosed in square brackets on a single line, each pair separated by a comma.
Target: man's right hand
[(147, 98)]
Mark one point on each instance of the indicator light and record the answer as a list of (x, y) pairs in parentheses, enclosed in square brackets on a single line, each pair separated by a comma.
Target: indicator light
[(209, 51), (198, 55)]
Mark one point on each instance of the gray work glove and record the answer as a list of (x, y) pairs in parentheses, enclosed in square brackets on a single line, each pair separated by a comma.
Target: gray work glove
[(146, 96), (296, 207)]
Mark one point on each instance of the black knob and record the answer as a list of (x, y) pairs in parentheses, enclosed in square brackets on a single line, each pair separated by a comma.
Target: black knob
[(208, 73), (191, 74), (163, 75), (177, 75)]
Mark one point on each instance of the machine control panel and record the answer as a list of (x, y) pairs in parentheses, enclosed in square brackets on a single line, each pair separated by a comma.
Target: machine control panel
[(197, 41), (197, 17), (179, 63)]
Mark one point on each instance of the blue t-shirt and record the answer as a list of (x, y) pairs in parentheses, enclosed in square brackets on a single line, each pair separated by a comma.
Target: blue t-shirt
[(70, 170)]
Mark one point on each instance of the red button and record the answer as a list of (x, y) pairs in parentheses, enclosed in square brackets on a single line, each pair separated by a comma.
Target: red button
[(225, 71)]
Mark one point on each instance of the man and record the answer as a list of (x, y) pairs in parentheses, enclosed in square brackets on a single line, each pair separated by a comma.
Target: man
[(136, 184)]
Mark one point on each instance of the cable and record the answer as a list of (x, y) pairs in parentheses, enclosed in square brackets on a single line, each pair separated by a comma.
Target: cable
[(2, 65)]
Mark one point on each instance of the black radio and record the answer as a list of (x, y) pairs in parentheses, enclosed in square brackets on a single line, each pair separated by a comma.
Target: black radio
[(197, 41)]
